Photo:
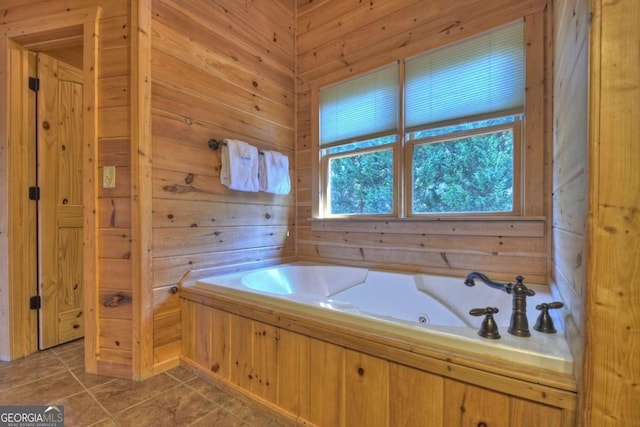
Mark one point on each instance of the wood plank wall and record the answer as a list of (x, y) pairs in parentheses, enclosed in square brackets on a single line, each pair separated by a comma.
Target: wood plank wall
[(115, 285), (339, 39), (570, 122), (611, 374), (220, 69)]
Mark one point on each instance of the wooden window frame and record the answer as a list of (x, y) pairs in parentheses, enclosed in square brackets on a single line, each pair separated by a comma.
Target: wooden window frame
[(531, 161), (515, 126), (325, 187)]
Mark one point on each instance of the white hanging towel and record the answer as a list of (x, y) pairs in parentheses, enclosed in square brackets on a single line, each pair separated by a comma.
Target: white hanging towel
[(239, 169), (274, 173)]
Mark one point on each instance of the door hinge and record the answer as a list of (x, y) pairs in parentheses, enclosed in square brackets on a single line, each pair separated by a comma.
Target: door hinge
[(35, 302), (34, 84), (34, 193)]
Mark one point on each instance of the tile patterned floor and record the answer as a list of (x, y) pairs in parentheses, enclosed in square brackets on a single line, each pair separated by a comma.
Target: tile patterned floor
[(174, 398)]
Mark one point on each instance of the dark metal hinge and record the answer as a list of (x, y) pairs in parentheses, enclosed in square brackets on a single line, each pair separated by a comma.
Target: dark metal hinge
[(35, 302), (34, 84), (34, 193)]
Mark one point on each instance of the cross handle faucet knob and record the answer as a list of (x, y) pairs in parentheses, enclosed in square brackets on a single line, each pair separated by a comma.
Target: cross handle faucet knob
[(545, 322), (489, 328)]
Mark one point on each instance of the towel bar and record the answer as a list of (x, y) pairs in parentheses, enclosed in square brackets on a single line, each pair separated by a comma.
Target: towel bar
[(214, 144)]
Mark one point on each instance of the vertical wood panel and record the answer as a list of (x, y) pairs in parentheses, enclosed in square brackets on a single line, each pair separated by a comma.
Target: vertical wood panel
[(70, 293), (17, 225), (366, 393), (611, 392), (326, 378), (203, 335), (289, 371), (5, 171), (221, 344), (304, 377), (467, 405), (91, 69), (141, 184), (241, 347), (535, 186), (416, 398), (48, 124), (189, 330), (265, 361), (522, 412)]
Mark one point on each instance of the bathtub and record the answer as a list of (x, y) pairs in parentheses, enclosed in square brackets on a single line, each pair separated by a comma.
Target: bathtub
[(425, 308)]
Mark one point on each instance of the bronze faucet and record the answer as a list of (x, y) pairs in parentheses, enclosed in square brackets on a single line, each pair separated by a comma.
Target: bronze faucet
[(489, 328), (519, 324), (545, 322)]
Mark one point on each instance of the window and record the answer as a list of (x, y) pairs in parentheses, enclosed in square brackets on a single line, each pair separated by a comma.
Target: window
[(358, 135), (473, 170), (435, 134)]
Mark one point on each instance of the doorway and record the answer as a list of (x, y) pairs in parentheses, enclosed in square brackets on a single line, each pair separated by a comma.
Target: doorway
[(72, 33)]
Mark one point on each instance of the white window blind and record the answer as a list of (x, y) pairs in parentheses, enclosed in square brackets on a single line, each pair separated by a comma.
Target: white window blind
[(480, 76), (360, 107)]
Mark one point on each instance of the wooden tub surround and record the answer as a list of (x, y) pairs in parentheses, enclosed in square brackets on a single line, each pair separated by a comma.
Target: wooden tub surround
[(310, 370)]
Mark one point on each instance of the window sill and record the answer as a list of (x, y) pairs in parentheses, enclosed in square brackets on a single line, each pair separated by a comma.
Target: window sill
[(449, 225)]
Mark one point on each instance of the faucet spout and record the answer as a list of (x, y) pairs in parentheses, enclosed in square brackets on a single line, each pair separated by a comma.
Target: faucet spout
[(470, 281)]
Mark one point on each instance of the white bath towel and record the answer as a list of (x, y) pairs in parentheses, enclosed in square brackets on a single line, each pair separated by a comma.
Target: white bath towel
[(273, 173), (239, 169)]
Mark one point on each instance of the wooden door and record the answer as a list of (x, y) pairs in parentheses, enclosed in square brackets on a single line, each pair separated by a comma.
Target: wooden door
[(60, 208)]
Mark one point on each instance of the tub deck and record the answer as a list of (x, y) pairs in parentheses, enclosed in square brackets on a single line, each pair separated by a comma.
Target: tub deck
[(363, 302)]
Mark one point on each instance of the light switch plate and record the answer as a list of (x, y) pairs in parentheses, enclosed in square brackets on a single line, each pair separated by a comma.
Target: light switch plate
[(109, 177)]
